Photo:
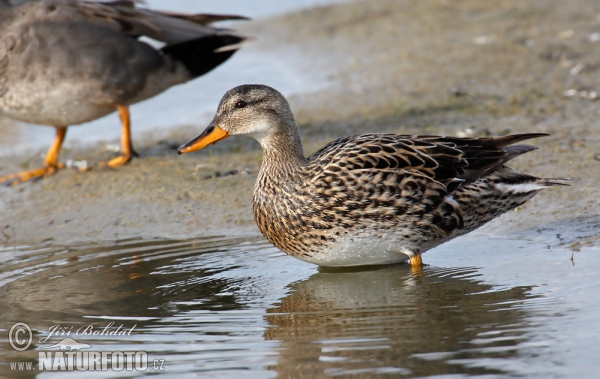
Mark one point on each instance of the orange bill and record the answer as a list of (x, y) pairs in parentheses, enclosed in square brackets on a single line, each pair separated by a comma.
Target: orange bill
[(212, 134)]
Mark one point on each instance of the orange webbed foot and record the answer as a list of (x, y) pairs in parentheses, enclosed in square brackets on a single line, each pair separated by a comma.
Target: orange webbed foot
[(24, 176), (50, 163), (116, 162)]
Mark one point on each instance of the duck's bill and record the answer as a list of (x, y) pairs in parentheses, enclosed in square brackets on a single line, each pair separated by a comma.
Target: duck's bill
[(212, 134)]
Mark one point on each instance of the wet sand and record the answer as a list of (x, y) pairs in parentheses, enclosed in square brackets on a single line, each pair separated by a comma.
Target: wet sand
[(431, 67)]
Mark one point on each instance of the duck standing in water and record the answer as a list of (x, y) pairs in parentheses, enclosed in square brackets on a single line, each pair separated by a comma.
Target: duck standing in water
[(368, 199), (66, 62)]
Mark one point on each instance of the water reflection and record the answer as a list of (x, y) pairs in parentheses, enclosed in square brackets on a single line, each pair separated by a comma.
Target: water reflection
[(186, 299), (130, 278), (392, 321), (222, 305)]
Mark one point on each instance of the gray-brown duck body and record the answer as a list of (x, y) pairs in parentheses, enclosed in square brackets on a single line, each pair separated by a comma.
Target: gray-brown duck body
[(373, 198), (67, 62)]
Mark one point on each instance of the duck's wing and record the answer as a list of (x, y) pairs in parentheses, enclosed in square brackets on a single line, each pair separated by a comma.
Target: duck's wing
[(451, 161), (122, 16), (485, 154)]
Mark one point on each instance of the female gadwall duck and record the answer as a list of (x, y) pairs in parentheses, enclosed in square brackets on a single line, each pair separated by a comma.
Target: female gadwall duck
[(373, 198), (66, 62)]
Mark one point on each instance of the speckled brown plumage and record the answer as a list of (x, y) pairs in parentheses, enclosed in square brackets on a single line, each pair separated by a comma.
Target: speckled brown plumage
[(372, 198)]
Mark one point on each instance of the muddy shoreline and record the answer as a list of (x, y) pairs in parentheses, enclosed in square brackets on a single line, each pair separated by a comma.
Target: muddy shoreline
[(428, 68)]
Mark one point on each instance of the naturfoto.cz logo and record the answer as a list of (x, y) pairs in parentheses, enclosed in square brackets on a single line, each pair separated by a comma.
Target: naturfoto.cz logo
[(71, 355)]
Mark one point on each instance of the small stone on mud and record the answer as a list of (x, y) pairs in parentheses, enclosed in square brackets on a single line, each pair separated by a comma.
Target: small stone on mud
[(590, 95), (483, 40), (594, 37), (570, 92), (113, 148), (78, 165), (219, 174), (468, 132), (459, 92)]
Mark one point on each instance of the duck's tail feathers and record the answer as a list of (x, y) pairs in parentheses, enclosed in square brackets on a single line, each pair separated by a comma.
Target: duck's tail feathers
[(508, 180), (550, 182), (201, 55)]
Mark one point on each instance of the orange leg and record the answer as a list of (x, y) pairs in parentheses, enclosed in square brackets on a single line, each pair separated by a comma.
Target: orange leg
[(50, 163), (416, 264), (126, 145), (416, 261)]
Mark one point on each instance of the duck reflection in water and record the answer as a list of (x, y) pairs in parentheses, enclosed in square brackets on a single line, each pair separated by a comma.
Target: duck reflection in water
[(391, 320)]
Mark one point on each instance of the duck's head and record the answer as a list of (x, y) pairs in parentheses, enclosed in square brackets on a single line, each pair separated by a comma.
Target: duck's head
[(253, 110)]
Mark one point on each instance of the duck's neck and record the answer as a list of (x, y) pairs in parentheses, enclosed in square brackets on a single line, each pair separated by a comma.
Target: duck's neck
[(282, 153)]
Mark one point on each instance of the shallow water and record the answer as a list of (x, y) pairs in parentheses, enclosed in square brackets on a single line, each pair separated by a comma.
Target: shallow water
[(483, 306)]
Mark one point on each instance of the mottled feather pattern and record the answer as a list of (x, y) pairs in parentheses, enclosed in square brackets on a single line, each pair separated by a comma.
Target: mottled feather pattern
[(366, 181), (372, 198)]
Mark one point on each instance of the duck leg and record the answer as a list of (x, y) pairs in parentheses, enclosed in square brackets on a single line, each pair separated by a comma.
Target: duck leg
[(416, 265), (126, 146), (416, 261), (50, 163)]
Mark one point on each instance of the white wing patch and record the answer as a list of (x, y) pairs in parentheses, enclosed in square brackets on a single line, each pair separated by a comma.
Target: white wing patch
[(520, 188)]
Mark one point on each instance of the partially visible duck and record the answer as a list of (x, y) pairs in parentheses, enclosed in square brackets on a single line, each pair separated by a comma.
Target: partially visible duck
[(67, 62)]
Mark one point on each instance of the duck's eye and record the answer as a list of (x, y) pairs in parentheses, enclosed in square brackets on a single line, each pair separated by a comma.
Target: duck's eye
[(240, 104)]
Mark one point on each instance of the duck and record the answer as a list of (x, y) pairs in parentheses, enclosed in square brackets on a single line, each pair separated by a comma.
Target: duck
[(68, 62), (369, 199)]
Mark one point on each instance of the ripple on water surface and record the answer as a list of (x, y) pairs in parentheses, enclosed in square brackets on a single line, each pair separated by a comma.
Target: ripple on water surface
[(227, 305)]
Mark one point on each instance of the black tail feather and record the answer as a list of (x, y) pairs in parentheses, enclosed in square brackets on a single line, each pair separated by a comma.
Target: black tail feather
[(199, 56)]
